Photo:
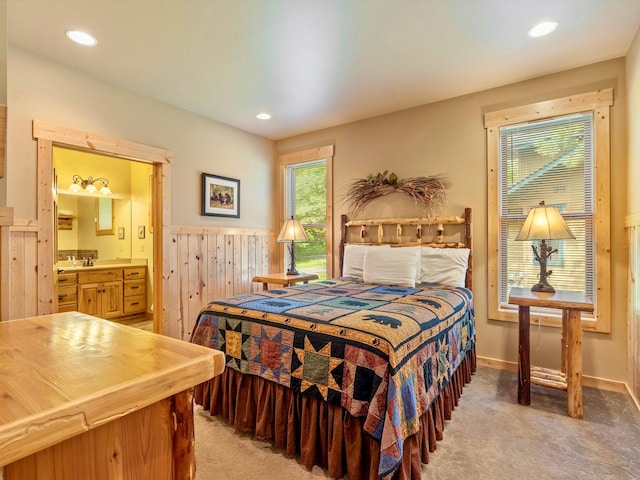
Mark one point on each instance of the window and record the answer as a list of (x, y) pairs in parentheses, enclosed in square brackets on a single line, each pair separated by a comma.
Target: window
[(556, 151), (306, 195)]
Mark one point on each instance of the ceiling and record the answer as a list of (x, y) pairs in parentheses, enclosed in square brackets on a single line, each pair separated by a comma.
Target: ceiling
[(313, 64)]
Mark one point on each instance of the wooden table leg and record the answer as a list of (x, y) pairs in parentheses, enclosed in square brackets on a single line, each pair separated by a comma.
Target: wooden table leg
[(574, 365), (564, 341), (265, 286), (524, 363)]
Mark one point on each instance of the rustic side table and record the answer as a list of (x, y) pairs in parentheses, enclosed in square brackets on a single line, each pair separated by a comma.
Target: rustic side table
[(569, 378), (283, 279)]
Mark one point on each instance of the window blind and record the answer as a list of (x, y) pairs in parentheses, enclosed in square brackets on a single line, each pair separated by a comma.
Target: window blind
[(550, 160)]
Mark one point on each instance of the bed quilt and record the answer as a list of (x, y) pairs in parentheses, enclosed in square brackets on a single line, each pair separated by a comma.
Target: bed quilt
[(381, 352)]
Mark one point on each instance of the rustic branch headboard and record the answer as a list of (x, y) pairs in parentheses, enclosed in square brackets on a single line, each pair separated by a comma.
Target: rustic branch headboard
[(407, 236)]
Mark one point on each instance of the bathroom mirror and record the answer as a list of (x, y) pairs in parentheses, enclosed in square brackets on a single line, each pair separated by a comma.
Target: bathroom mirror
[(104, 216), (82, 236)]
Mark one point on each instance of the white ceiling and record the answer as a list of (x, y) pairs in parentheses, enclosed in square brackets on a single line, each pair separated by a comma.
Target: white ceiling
[(317, 63)]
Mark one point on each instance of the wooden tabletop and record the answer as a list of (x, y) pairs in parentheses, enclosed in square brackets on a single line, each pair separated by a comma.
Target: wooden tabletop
[(66, 373), (283, 278), (563, 299)]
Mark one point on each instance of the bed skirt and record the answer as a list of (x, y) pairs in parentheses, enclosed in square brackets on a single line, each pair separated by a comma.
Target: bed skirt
[(320, 433)]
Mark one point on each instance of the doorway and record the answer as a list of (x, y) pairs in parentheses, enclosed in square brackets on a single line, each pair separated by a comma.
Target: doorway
[(48, 137)]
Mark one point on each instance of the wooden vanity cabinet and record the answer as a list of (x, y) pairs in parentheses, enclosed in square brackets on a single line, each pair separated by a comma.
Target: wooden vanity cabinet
[(67, 289), (104, 292), (135, 290), (100, 293)]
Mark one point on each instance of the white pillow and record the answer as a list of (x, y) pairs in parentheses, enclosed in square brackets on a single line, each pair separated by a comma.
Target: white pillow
[(353, 261), (397, 266), (447, 266)]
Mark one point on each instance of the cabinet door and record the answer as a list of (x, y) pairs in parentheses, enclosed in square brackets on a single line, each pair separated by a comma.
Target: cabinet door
[(89, 298), (111, 299)]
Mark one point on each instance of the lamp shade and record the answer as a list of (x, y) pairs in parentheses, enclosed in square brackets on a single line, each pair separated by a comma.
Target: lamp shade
[(292, 231), (544, 223)]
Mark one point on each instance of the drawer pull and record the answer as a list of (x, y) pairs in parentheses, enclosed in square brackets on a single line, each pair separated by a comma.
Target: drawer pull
[(62, 280), (61, 295), (135, 303), (134, 273), (135, 287)]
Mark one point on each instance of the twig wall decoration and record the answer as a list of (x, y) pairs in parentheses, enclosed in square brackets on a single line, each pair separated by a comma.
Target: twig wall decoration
[(427, 191)]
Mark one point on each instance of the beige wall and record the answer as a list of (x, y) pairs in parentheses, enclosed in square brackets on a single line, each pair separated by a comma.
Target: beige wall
[(633, 82), (633, 212), (46, 91), (448, 138)]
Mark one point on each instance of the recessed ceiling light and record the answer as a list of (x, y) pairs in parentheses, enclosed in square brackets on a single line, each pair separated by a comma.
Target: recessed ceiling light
[(263, 116), (82, 38), (542, 29)]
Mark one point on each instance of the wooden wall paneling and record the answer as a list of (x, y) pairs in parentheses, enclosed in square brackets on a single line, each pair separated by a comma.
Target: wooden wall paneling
[(30, 243), (183, 281), (171, 314), (46, 229), (239, 271), (220, 270), (16, 276), (194, 281), (212, 280), (251, 260), (228, 265)]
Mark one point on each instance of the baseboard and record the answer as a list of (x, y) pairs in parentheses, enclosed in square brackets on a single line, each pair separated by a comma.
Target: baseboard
[(587, 381), (633, 397)]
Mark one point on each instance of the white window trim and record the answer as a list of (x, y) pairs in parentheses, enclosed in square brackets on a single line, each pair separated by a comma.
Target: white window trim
[(303, 156), (599, 103)]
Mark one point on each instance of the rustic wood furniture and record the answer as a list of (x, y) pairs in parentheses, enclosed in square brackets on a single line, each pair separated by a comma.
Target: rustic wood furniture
[(569, 378), (84, 397), (283, 279), (322, 430), (103, 291)]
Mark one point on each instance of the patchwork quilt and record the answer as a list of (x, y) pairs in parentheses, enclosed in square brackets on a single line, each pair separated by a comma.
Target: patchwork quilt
[(381, 352)]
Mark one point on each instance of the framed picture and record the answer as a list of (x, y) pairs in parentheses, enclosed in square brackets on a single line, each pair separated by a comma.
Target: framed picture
[(220, 196)]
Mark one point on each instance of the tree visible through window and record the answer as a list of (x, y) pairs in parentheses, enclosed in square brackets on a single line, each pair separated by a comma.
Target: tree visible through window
[(306, 200), (306, 194), (557, 151)]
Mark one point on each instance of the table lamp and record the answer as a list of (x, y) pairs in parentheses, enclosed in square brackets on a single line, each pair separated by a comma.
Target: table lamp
[(292, 231), (544, 223)]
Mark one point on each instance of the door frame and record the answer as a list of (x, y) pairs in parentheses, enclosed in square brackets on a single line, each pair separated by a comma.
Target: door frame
[(47, 135)]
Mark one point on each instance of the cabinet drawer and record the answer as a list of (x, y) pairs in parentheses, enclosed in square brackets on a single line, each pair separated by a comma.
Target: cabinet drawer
[(67, 294), (100, 276), (68, 307), (66, 278), (135, 273), (134, 287), (135, 304)]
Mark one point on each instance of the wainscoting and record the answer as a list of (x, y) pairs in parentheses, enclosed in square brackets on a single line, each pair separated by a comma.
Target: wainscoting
[(633, 367), (208, 264), (204, 264)]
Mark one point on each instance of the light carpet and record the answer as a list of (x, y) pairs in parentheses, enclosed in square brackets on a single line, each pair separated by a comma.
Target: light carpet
[(490, 436)]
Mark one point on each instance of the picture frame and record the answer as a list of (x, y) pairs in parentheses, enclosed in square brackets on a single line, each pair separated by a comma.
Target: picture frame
[(220, 196)]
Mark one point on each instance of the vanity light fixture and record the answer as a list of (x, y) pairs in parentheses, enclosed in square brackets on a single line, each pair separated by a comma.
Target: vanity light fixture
[(542, 29), (88, 185), (81, 38)]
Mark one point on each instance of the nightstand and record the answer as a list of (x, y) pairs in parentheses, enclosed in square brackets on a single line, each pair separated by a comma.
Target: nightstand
[(569, 378), (283, 279)]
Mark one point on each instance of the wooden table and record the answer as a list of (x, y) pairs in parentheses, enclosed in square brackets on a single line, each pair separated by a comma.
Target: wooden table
[(283, 279), (85, 398), (569, 378)]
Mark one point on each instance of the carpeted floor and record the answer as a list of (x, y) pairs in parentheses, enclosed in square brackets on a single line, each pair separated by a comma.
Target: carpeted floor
[(489, 437)]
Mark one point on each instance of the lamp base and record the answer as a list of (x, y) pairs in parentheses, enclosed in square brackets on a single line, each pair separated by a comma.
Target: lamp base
[(541, 287), (293, 271)]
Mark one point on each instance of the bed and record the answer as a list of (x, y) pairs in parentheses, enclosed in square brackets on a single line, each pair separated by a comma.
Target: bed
[(358, 373)]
